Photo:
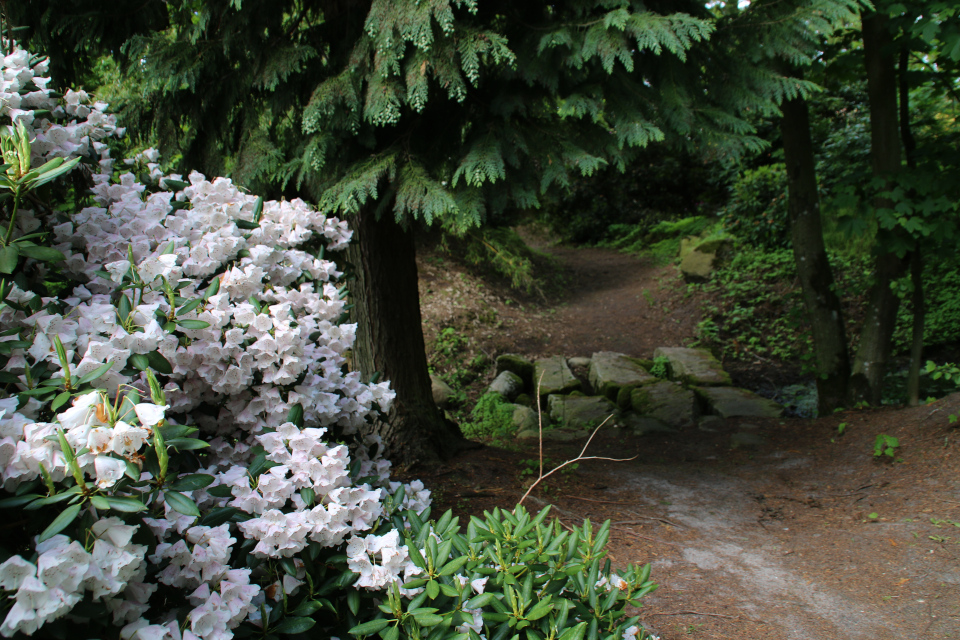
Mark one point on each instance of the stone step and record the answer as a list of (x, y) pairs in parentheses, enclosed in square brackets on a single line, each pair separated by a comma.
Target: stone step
[(694, 367), (729, 402), (553, 375), (667, 402), (610, 371)]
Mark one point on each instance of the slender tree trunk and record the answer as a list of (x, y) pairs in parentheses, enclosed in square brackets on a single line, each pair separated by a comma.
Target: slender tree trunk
[(916, 259), (390, 339), (919, 313), (866, 382), (810, 254)]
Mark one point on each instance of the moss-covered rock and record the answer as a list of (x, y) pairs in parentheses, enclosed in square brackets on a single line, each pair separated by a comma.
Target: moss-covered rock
[(694, 367), (610, 371), (518, 365), (553, 375), (667, 402)]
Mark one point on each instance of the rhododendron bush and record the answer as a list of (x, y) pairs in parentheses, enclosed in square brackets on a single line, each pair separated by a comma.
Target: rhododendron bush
[(181, 440)]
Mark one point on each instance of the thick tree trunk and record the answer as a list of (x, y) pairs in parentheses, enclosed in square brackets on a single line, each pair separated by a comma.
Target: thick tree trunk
[(866, 383), (810, 254), (390, 339)]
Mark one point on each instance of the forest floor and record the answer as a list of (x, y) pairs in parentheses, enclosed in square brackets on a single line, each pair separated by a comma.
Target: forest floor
[(808, 536)]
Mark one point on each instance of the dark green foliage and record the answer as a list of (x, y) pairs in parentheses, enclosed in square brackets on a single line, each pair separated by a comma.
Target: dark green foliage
[(539, 578), (661, 183), (757, 211), (501, 252), (661, 241)]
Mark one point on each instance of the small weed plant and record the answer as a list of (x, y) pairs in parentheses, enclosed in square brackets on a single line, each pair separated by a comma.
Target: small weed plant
[(492, 418), (885, 445)]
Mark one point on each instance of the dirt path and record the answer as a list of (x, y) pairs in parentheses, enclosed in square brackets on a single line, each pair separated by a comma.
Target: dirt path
[(807, 536)]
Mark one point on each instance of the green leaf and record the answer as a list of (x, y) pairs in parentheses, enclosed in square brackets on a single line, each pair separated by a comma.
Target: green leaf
[(307, 608), (96, 373), (353, 601), (212, 289), (479, 601), (187, 444), (125, 505), (61, 522), (100, 502), (220, 491), (246, 224), (181, 503), (139, 361), (190, 306), (18, 501), (193, 324), (433, 589), (216, 517), (369, 628), (60, 400), (42, 254), (453, 566), (9, 255), (175, 185), (191, 482), (158, 363), (293, 626), (428, 619)]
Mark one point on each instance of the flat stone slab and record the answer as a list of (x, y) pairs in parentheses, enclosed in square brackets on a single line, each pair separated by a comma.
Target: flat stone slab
[(507, 384), (695, 367), (729, 402), (667, 402), (553, 375), (580, 412), (610, 371), (645, 425), (578, 362)]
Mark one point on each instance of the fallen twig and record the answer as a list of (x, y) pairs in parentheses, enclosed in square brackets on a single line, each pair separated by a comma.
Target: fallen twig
[(580, 457)]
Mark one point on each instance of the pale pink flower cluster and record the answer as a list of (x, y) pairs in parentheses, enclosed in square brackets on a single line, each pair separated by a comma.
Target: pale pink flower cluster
[(65, 571), (272, 340), (380, 560)]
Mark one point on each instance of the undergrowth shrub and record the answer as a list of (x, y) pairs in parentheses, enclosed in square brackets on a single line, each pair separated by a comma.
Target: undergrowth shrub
[(501, 252), (492, 417), (757, 210), (661, 241)]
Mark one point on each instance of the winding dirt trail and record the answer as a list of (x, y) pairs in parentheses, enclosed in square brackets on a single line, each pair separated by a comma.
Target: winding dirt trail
[(805, 537)]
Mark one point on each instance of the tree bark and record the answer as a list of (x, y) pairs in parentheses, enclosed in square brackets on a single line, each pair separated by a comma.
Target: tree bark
[(916, 259), (810, 254), (390, 339), (866, 383), (916, 348)]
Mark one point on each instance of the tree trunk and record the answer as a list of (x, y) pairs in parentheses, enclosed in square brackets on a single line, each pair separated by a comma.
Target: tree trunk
[(866, 383), (390, 339), (916, 259), (816, 277), (916, 348)]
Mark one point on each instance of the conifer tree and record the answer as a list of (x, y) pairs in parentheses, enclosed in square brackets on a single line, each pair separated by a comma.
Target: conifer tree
[(395, 113)]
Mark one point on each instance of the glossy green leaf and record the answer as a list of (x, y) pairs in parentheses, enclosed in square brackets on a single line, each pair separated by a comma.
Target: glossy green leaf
[(181, 503), (61, 522)]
